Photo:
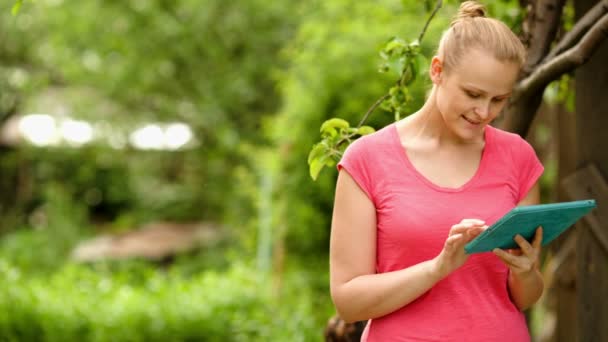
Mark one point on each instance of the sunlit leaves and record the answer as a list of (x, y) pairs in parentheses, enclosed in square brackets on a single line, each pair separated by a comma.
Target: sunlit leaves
[(16, 7), (404, 60), (337, 135), (562, 92), (401, 58), (330, 127)]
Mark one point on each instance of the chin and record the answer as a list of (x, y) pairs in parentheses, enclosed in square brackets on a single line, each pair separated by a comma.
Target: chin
[(470, 134)]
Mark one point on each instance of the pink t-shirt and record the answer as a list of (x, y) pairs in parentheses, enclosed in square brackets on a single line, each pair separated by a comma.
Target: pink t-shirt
[(414, 217)]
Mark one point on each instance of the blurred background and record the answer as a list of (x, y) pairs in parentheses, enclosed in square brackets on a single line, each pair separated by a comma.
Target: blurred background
[(154, 169)]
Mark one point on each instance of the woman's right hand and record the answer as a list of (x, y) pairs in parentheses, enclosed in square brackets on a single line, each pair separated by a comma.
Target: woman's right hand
[(453, 255)]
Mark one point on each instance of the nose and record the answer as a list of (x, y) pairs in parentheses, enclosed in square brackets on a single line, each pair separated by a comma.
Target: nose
[(483, 110)]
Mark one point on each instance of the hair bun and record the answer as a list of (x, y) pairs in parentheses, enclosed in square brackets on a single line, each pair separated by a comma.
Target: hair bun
[(469, 10)]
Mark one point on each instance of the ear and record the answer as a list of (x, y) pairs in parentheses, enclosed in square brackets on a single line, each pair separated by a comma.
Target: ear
[(436, 70)]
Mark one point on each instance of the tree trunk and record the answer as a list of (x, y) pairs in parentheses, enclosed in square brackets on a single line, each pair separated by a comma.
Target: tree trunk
[(592, 258), (563, 290)]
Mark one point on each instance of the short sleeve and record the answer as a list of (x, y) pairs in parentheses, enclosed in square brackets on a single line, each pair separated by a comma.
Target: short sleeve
[(529, 168), (355, 161)]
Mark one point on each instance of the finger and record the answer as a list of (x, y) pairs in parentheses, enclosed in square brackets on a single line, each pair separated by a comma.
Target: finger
[(515, 251), (452, 241), (473, 233), (509, 259), (506, 260), (538, 239), (525, 246), (477, 230), (453, 238), (461, 228), (473, 221)]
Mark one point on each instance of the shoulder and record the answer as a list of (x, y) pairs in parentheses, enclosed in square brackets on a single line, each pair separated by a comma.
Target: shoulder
[(363, 159), (365, 155), (514, 149), (504, 137), (509, 142), (376, 141)]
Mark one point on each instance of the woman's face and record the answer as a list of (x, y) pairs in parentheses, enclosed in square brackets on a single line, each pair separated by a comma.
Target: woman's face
[(472, 94)]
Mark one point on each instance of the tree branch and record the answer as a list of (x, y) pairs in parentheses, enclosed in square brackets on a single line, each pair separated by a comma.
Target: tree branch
[(580, 28), (527, 95), (369, 112), (386, 96), (543, 21), (372, 108), (437, 7), (567, 61)]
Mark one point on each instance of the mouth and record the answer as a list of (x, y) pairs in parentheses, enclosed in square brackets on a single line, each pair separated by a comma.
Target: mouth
[(471, 121)]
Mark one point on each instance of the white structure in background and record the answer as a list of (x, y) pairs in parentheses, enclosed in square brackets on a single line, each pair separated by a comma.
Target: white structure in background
[(149, 137), (76, 132), (177, 135), (39, 129), (46, 130), (156, 137)]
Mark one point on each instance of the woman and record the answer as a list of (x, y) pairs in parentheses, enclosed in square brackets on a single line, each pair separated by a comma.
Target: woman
[(410, 196)]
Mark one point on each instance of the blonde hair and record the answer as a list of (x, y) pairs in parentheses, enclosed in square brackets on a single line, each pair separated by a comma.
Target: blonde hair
[(472, 29)]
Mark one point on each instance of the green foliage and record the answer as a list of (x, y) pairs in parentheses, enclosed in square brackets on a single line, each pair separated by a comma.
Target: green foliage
[(95, 180), (404, 60), (164, 60), (16, 7), (212, 67), (337, 135), (561, 92), (138, 303), (332, 73), (44, 248), (508, 11)]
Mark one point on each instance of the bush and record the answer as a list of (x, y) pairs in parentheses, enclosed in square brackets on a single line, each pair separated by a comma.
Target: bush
[(140, 303)]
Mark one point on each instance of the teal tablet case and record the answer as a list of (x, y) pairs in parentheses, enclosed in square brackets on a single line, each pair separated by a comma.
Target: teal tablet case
[(555, 218)]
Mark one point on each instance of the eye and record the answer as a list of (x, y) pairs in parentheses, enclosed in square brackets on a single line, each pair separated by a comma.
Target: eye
[(471, 94), (498, 100)]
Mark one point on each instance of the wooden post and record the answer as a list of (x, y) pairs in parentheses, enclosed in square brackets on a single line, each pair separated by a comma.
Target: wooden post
[(592, 258), (562, 291)]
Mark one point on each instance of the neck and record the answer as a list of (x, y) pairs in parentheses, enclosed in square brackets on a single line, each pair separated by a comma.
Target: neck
[(428, 124)]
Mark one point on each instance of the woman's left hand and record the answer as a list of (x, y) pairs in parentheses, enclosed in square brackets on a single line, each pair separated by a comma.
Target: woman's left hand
[(524, 260)]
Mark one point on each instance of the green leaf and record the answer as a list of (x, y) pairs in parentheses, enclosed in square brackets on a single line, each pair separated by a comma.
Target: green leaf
[(317, 151), (316, 166), (414, 48), (397, 63), (330, 162), (334, 123), (415, 68), (334, 140), (393, 44), (364, 130), (16, 7), (407, 76)]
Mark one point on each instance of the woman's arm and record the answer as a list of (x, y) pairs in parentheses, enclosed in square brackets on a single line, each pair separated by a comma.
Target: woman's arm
[(525, 281), (357, 291)]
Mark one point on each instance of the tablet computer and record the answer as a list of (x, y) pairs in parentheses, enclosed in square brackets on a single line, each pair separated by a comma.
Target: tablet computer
[(555, 218)]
